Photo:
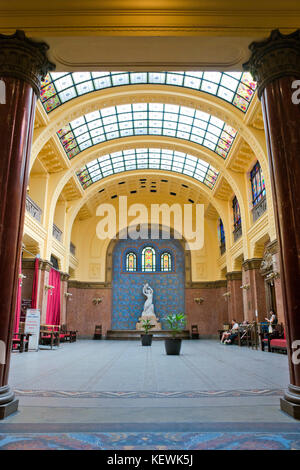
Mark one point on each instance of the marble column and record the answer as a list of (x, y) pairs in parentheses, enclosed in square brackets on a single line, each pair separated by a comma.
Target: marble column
[(235, 296), (254, 293), (23, 64), (275, 65)]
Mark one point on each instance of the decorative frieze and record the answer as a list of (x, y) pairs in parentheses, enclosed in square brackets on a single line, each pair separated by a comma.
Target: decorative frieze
[(87, 285)]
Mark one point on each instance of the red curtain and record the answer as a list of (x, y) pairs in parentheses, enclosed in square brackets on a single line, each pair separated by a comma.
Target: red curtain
[(18, 304), (53, 303), (35, 284)]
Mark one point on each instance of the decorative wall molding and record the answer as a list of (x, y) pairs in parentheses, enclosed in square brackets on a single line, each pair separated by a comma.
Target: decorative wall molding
[(207, 285), (254, 263), (87, 285), (234, 276)]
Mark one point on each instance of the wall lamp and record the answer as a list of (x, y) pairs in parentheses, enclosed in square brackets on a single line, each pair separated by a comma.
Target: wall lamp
[(68, 294), (22, 276), (245, 286), (97, 300), (227, 295), (199, 300), (48, 287)]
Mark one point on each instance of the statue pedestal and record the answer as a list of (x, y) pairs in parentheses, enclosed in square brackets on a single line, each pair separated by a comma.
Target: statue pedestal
[(153, 321)]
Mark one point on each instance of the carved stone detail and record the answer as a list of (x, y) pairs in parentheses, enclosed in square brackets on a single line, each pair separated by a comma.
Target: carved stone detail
[(276, 57), (25, 59), (253, 263), (234, 276)]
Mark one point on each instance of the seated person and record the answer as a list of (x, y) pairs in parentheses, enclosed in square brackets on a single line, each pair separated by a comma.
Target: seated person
[(226, 334), (233, 333)]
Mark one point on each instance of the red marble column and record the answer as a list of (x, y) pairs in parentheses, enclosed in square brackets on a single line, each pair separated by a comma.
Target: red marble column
[(275, 65), (23, 63)]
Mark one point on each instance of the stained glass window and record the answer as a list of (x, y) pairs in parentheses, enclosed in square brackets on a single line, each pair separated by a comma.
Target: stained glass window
[(236, 213), (221, 236), (166, 262), (131, 262), (257, 184), (148, 259), (234, 87), (147, 119), (221, 232), (149, 158)]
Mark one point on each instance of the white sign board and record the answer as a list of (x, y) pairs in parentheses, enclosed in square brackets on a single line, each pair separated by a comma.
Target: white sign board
[(32, 326)]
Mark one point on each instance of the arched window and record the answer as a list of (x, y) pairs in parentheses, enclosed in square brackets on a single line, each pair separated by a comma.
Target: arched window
[(131, 262), (257, 184), (166, 262), (148, 259), (236, 213), (221, 235)]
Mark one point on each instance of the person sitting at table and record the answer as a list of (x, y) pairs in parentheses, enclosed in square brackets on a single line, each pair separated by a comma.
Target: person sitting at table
[(233, 333), (226, 334)]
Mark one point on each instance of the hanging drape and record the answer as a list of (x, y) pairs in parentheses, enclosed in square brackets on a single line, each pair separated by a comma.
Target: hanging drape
[(35, 284), (53, 302), (18, 304)]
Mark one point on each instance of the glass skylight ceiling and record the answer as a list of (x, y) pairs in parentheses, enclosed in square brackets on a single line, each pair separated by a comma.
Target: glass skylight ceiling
[(147, 158), (147, 119), (235, 87)]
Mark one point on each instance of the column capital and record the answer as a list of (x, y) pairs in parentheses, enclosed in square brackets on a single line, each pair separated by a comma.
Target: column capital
[(273, 58), (25, 59)]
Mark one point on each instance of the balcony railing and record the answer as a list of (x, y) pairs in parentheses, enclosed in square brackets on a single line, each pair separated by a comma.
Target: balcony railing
[(259, 209), (72, 248), (57, 233), (237, 233), (34, 210)]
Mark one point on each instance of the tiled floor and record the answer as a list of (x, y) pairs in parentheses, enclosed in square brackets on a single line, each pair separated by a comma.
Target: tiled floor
[(116, 395)]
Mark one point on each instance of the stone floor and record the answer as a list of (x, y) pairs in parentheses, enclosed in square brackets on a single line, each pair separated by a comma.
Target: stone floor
[(92, 394)]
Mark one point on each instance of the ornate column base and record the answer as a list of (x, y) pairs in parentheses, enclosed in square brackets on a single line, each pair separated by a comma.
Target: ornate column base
[(290, 404), (8, 402)]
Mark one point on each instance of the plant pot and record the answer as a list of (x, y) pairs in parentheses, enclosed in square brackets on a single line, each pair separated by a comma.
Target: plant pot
[(146, 340), (173, 346)]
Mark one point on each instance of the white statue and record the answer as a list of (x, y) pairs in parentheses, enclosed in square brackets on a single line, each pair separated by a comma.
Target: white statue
[(148, 306)]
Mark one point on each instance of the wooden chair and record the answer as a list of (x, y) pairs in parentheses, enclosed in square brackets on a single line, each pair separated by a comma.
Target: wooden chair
[(98, 332), (194, 332)]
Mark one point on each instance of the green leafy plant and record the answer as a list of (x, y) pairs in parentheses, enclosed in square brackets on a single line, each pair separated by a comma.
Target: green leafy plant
[(176, 323), (146, 325)]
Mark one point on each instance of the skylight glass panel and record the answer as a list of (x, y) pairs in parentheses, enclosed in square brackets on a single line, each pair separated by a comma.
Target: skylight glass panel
[(140, 159), (133, 119), (235, 87)]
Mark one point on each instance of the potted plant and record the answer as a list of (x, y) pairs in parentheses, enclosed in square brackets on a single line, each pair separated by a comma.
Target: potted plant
[(146, 337), (176, 324)]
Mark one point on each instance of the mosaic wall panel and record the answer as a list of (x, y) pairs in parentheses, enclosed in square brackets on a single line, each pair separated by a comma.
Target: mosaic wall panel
[(128, 298)]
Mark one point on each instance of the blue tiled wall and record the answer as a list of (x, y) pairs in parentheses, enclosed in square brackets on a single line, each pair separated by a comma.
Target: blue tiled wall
[(128, 298)]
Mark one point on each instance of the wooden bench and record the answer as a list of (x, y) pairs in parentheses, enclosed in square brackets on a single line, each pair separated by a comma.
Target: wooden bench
[(49, 335)]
